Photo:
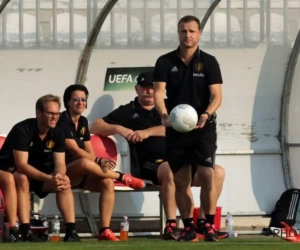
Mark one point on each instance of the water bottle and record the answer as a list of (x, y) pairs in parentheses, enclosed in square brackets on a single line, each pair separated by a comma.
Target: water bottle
[(124, 229), (230, 225), (55, 229)]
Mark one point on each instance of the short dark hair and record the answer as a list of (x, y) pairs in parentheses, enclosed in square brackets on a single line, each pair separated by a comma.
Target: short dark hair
[(189, 18), (69, 90), (42, 101)]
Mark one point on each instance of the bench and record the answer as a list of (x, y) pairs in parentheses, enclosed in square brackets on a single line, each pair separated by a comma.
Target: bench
[(106, 147)]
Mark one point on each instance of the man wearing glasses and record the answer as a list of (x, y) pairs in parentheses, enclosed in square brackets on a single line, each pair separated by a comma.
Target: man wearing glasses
[(34, 152), (84, 168)]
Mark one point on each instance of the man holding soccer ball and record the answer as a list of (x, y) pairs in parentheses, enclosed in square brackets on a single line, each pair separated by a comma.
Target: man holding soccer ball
[(191, 76)]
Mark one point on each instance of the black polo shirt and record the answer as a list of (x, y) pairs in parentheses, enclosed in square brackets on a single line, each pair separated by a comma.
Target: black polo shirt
[(188, 84), (24, 136), (134, 116), (80, 135)]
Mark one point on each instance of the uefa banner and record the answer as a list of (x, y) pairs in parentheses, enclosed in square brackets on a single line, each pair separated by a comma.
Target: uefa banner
[(122, 79)]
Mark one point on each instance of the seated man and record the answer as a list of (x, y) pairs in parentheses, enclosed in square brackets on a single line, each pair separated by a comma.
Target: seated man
[(140, 124), (34, 151), (7, 185), (84, 169)]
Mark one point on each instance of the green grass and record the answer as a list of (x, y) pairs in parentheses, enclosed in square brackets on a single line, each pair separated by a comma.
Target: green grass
[(261, 243)]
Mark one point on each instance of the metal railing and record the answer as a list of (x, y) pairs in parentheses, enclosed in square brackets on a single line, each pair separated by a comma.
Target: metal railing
[(145, 23)]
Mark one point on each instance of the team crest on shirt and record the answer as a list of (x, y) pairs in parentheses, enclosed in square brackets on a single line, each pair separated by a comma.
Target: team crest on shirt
[(159, 161), (82, 131), (50, 144), (199, 66)]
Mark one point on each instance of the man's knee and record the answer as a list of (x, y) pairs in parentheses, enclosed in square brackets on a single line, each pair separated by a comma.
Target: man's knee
[(6, 180), (219, 173), (181, 185), (64, 191), (182, 178), (205, 174), (165, 175), (21, 180)]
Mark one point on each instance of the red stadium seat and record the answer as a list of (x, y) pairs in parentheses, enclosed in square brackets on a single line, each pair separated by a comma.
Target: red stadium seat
[(2, 139), (104, 147)]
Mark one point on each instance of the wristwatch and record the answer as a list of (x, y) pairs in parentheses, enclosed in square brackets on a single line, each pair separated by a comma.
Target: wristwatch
[(208, 115)]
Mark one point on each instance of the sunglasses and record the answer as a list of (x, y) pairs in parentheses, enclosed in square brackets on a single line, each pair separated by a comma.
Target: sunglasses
[(77, 99)]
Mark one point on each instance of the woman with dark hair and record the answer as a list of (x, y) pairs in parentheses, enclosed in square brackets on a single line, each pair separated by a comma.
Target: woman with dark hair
[(84, 169)]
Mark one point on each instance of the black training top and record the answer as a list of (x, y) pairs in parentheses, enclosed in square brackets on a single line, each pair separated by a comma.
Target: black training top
[(134, 116), (188, 84), (80, 135), (24, 136)]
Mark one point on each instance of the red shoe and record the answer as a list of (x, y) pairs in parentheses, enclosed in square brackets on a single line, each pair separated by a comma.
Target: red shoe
[(210, 233), (170, 232), (201, 230), (107, 235), (288, 233), (132, 182), (188, 234)]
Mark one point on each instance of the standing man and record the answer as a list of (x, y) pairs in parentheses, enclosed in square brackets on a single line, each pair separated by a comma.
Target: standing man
[(191, 76), (34, 151), (83, 167)]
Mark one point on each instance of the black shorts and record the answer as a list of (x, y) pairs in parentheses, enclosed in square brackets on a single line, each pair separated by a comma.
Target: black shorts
[(148, 170), (197, 147), (36, 187), (10, 169)]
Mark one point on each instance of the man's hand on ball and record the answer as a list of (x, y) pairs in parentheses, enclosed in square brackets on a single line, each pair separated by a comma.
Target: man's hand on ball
[(202, 121), (165, 120)]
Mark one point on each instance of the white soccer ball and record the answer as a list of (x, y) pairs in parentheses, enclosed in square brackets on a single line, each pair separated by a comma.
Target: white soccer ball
[(183, 118)]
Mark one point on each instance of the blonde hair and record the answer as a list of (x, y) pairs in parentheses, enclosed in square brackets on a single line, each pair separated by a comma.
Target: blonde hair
[(42, 101)]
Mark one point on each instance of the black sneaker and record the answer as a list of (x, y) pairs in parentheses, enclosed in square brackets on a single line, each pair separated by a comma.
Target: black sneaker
[(14, 235), (170, 232), (72, 237), (210, 233), (200, 231), (188, 234), (30, 237)]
